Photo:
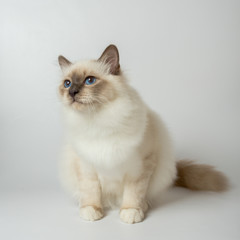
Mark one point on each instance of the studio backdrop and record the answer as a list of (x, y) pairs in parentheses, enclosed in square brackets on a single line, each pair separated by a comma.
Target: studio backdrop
[(182, 56)]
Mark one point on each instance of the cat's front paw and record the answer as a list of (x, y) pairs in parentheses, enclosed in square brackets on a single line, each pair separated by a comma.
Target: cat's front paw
[(91, 213), (131, 215)]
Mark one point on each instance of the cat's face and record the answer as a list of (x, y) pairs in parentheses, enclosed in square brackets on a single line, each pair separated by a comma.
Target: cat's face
[(88, 85)]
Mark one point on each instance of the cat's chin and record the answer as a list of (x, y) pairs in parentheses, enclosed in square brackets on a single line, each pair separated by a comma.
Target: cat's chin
[(81, 106), (77, 105)]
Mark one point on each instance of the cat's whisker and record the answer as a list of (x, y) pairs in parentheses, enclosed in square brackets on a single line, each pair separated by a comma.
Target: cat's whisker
[(97, 100), (105, 100), (92, 105)]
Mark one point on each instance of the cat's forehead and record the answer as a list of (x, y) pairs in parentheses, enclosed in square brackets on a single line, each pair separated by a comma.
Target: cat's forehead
[(79, 73), (86, 68)]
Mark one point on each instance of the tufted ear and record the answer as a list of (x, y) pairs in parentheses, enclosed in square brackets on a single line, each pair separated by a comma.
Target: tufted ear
[(110, 56), (63, 62)]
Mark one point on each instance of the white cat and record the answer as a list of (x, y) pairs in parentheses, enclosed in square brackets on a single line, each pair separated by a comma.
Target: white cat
[(118, 149)]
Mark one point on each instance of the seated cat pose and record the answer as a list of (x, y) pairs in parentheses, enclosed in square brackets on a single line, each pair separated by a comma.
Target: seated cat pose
[(118, 150)]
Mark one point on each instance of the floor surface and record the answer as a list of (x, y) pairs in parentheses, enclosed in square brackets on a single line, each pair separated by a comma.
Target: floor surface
[(182, 214)]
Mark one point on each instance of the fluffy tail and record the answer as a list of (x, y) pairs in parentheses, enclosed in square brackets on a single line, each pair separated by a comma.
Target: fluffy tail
[(200, 177)]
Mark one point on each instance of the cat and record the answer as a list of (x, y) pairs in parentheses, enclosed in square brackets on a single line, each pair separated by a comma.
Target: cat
[(118, 150)]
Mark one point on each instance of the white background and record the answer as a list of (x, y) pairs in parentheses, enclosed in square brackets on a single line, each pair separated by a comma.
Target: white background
[(184, 59)]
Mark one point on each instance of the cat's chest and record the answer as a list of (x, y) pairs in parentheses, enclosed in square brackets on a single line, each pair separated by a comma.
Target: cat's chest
[(105, 142), (102, 150)]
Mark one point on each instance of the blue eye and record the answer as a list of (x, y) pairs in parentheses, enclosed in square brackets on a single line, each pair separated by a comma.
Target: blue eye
[(90, 80), (67, 83)]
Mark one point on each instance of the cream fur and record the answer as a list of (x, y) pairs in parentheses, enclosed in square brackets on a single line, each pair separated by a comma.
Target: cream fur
[(122, 143), (118, 150)]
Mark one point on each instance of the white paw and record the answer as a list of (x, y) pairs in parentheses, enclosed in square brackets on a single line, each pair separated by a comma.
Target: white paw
[(89, 213), (131, 215)]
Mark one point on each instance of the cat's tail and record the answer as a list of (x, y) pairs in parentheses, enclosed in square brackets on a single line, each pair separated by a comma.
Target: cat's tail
[(200, 177)]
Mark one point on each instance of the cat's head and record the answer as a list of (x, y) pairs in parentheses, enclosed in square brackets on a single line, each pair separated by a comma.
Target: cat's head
[(88, 85)]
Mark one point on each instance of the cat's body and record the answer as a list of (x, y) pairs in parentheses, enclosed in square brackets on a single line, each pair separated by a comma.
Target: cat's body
[(118, 149), (117, 146)]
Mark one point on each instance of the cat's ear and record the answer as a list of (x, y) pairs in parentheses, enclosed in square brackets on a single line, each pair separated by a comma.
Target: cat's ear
[(110, 56), (63, 62)]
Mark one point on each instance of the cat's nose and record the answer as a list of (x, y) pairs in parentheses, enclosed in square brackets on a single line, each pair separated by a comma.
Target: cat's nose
[(73, 92)]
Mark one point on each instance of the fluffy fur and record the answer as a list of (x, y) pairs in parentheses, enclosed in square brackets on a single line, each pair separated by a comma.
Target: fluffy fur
[(200, 177), (118, 150)]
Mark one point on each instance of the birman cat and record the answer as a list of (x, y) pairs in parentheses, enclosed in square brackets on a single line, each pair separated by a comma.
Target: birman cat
[(118, 150)]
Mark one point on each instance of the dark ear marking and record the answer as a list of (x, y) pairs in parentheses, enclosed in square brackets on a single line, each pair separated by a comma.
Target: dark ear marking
[(110, 56), (63, 62)]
